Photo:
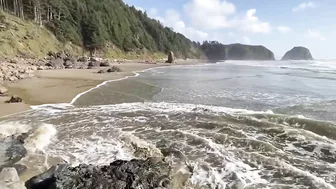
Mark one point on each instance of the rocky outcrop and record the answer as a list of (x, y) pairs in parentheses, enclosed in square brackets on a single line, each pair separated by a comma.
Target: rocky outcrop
[(114, 69), (146, 174), (12, 150), (171, 57), (298, 53), (13, 72), (217, 51)]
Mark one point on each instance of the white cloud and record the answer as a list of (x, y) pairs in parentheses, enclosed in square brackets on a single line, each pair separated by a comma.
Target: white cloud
[(314, 35), (221, 14), (284, 29), (172, 19), (251, 23), (303, 6), (211, 14)]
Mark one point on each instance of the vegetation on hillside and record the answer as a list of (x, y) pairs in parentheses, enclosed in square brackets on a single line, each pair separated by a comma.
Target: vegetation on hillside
[(217, 51), (105, 24)]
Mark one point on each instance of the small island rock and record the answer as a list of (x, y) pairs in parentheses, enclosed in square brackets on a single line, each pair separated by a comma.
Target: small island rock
[(298, 53)]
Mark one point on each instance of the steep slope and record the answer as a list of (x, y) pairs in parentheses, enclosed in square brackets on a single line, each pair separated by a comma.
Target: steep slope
[(217, 51), (104, 26), (298, 53), (23, 38)]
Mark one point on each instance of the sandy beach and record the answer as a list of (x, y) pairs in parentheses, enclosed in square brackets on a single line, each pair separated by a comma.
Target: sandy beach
[(61, 86)]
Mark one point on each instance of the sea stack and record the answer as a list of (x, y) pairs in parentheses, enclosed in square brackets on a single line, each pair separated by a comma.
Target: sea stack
[(171, 58), (298, 53)]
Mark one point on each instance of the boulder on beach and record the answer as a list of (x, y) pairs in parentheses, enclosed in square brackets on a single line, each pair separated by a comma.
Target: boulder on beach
[(102, 71), (93, 64), (105, 64), (56, 64), (83, 59), (298, 53), (145, 174), (14, 99), (114, 69), (3, 90), (171, 58)]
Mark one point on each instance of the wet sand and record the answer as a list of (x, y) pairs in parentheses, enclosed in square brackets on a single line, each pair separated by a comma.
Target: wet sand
[(61, 86)]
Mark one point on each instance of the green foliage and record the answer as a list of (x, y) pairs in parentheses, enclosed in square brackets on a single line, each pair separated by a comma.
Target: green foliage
[(94, 24)]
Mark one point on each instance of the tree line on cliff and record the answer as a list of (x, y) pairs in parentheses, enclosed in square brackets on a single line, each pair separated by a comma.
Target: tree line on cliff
[(95, 25)]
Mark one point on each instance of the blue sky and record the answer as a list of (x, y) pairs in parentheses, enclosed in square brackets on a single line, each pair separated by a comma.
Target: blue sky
[(277, 24)]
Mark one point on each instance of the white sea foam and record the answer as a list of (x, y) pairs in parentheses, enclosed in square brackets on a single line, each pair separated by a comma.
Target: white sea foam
[(39, 135), (165, 107), (13, 128), (136, 74)]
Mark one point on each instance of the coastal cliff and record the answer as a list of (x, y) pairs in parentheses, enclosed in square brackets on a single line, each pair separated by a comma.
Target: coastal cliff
[(298, 53)]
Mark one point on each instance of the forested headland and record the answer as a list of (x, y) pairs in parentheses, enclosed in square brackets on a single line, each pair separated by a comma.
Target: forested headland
[(96, 25), (105, 25)]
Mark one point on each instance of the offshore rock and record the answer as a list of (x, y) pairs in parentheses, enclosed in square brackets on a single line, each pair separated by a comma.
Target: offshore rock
[(144, 174), (298, 53)]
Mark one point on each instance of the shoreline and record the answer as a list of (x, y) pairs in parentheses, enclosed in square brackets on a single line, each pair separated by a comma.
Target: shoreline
[(67, 85)]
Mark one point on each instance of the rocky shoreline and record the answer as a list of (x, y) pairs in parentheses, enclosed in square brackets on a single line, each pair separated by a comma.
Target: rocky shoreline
[(150, 170), (15, 69)]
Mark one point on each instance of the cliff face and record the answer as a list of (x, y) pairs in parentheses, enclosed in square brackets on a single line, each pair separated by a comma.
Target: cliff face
[(218, 51), (298, 53)]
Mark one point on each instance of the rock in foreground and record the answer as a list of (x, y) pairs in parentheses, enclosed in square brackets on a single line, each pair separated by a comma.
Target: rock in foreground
[(144, 174), (298, 53)]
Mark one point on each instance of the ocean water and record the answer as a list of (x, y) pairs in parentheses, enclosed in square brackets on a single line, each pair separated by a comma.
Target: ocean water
[(268, 124)]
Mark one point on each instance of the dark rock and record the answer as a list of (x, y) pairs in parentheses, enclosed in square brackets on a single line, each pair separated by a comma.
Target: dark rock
[(105, 64), (101, 71), (56, 64), (40, 68), (13, 150), (13, 61), (94, 64), (298, 53), (146, 174), (68, 64), (114, 69), (171, 58), (83, 59), (14, 99)]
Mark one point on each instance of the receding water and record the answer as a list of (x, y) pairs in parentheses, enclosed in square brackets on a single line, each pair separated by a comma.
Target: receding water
[(257, 124)]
